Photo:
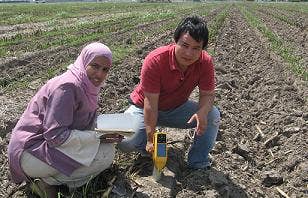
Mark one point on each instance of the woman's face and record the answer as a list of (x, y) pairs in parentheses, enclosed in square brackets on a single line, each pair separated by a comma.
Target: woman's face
[(97, 70)]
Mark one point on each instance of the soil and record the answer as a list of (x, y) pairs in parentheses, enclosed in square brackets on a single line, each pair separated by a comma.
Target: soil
[(295, 35), (261, 149)]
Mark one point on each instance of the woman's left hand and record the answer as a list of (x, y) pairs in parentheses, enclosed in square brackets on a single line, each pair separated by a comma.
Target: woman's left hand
[(111, 138)]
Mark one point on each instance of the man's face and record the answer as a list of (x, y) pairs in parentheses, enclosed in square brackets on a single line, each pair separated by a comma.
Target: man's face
[(187, 50), (97, 70)]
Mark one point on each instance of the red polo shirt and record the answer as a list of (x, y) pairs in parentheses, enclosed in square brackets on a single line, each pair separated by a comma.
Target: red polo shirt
[(160, 74)]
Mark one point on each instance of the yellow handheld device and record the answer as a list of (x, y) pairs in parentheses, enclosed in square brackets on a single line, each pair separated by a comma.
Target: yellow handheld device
[(160, 153)]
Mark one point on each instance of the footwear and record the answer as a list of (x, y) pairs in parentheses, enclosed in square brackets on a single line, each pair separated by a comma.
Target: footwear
[(43, 189), (201, 166), (144, 153)]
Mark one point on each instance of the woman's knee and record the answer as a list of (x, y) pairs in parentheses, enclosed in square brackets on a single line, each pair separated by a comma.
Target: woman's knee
[(34, 167), (106, 152), (103, 159)]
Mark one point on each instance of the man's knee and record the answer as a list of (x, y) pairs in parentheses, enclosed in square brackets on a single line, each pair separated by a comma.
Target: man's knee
[(214, 116), (126, 147)]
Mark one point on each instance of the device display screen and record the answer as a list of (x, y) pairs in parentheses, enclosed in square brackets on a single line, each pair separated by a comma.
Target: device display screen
[(161, 150)]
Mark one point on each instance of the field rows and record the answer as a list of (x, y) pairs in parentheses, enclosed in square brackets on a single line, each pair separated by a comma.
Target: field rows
[(118, 34), (281, 38)]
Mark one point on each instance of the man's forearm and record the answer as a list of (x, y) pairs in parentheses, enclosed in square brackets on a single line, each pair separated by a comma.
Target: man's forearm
[(150, 114), (150, 119), (206, 102)]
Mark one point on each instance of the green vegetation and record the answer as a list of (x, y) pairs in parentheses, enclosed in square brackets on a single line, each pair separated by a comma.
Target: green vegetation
[(281, 14), (95, 28), (290, 7), (11, 14), (215, 26), (277, 44), (113, 31), (40, 27)]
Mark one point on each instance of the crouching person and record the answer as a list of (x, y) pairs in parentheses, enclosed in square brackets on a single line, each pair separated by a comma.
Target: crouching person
[(53, 141), (169, 74)]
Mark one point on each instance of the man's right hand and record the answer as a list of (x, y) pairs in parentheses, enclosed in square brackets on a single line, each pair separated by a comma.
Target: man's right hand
[(149, 147)]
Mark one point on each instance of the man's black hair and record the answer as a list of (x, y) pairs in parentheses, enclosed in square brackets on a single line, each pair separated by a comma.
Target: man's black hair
[(196, 27)]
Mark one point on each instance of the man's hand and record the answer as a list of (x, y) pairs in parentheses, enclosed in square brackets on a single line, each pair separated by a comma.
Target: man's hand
[(201, 122), (111, 138), (206, 100), (149, 147), (150, 111)]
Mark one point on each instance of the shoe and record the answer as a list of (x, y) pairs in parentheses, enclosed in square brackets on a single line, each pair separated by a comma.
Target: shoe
[(42, 189), (201, 166), (144, 153)]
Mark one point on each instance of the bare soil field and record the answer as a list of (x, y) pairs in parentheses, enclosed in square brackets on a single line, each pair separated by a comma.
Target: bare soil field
[(261, 149)]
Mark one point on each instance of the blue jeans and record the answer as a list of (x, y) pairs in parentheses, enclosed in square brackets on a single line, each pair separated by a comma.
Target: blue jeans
[(177, 118)]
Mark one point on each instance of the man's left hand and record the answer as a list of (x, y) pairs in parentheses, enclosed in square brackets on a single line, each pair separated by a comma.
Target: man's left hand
[(201, 123)]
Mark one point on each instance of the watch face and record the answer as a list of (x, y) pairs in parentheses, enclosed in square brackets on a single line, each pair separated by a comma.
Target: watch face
[(161, 150), (161, 138)]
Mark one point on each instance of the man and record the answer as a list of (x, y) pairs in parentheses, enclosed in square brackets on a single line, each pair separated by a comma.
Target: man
[(169, 74)]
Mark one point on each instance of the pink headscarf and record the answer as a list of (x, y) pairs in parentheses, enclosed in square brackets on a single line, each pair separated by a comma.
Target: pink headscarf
[(78, 69)]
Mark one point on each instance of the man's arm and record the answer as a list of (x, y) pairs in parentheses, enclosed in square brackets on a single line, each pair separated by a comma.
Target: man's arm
[(150, 117), (206, 101)]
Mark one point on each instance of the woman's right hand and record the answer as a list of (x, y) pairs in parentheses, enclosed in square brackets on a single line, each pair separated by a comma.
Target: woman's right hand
[(111, 138)]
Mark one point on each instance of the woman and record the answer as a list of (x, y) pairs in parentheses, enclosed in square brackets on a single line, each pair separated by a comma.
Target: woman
[(53, 140)]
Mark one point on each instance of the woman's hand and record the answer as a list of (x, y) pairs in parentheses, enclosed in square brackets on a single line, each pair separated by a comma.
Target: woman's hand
[(111, 138)]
